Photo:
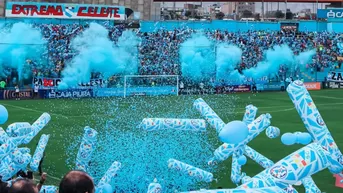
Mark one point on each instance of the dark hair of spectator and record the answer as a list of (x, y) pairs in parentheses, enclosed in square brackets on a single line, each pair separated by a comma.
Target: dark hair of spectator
[(23, 186), (76, 182)]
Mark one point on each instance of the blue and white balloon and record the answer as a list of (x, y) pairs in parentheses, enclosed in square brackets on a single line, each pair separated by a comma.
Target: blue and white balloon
[(272, 132)]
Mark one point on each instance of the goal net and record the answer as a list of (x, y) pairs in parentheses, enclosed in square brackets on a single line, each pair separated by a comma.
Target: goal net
[(152, 85)]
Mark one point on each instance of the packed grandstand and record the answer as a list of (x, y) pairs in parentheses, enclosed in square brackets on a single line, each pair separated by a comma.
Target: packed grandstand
[(159, 50), (203, 85)]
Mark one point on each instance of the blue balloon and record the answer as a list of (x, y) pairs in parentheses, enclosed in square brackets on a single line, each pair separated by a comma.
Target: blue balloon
[(106, 188), (3, 114), (304, 138), (288, 139), (242, 160), (234, 132)]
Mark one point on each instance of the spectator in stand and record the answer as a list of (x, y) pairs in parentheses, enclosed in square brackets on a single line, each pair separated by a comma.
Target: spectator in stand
[(76, 182), (23, 185), (159, 50), (17, 91), (35, 91), (4, 187), (2, 85)]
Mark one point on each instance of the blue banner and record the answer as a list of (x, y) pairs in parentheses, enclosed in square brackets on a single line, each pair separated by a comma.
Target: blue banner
[(134, 91), (108, 92), (330, 14), (274, 86), (61, 94)]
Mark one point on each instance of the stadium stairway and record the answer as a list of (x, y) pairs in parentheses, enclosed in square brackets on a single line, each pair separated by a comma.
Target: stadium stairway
[(315, 77), (308, 76)]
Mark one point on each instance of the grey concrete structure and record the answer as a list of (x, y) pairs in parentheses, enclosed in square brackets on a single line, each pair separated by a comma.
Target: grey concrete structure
[(148, 10)]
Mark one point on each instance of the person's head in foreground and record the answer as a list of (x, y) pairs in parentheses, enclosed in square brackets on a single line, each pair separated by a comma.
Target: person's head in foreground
[(23, 186), (76, 182)]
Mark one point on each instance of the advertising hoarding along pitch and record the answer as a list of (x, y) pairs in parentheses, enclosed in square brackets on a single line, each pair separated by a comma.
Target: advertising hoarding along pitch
[(335, 76), (313, 85), (64, 11), (53, 83), (330, 14)]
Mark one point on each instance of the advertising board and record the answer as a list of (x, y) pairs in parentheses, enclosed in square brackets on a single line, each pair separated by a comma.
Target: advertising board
[(10, 94), (52, 83), (313, 85), (64, 11), (135, 91), (335, 76), (61, 94), (233, 89), (330, 14)]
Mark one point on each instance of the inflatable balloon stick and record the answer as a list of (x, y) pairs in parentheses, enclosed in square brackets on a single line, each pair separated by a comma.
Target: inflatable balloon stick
[(48, 189), (37, 126), (18, 129), (236, 170), (314, 123), (293, 168), (110, 174), (211, 117), (38, 155), (255, 128), (154, 124), (299, 166), (154, 187), (19, 162), (273, 189), (250, 114), (257, 157), (7, 147), (24, 150), (192, 171), (310, 186), (3, 136), (86, 149)]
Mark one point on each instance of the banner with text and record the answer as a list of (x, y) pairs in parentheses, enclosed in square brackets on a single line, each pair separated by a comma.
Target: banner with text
[(11, 94), (64, 11), (62, 94), (52, 83), (135, 91), (274, 86), (313, 85), (233, 89), (335, 77), (330, 14)]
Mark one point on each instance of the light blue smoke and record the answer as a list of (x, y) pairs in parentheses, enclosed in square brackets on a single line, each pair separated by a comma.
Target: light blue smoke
[(276, 56), (227, 59), (19, 45), (197, 58), (97, 53), (304, 58)]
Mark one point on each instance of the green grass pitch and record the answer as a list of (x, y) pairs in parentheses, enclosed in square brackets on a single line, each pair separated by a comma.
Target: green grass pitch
[(70, 116)]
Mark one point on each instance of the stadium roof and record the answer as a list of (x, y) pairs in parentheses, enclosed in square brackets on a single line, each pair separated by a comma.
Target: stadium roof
[(281, 1)]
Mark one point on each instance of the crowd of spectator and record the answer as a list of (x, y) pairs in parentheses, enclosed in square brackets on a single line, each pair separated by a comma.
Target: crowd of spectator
[(159, 51), (72, 182)]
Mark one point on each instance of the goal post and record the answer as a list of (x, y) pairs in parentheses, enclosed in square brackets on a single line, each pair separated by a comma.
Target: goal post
[(152, 85)]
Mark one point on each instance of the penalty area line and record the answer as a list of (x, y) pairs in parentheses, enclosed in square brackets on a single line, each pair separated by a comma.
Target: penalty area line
[(34, 110)]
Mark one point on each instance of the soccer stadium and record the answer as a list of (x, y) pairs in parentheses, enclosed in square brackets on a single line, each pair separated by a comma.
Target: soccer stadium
[(133, 96)]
